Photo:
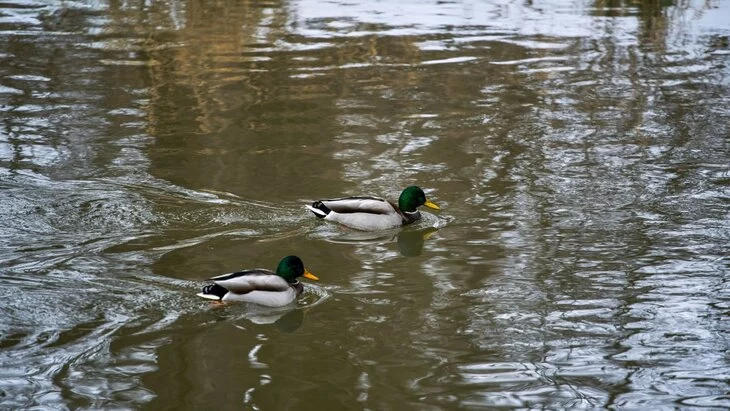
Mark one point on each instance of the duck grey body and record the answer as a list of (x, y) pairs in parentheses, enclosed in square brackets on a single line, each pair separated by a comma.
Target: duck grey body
[(362, 213), (261, 286), (373, 213), (257, 286)]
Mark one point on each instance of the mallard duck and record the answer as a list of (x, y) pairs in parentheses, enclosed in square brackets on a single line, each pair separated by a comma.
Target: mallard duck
[(372, 213), (261, 286)]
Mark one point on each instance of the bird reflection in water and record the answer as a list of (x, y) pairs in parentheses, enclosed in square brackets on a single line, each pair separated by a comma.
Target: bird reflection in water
[(410, 241)]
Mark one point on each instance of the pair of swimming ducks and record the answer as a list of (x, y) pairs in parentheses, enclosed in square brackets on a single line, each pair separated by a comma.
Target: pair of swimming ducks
[(280, 288)]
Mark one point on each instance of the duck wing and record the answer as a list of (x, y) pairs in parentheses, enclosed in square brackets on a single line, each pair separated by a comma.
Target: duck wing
[(259, 279), (373, 205)]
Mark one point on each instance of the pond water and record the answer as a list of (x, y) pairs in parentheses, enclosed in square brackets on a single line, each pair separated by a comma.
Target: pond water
[(579, 150)]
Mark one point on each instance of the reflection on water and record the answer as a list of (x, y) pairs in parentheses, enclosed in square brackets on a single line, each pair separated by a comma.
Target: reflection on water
[(410, 240), (579, 151)]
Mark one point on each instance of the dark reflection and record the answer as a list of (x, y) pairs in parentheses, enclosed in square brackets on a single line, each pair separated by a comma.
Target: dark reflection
[(290, 321), (226, 110), (410, 243)]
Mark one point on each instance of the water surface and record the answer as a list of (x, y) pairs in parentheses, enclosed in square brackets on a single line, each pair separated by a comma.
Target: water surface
[(580, 153)]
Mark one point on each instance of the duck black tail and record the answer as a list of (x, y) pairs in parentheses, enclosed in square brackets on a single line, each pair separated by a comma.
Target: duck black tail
[(215, 289), (319, 209)]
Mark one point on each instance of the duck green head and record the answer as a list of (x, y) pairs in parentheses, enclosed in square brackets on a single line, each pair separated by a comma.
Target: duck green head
[(413, 197), (291, 267)]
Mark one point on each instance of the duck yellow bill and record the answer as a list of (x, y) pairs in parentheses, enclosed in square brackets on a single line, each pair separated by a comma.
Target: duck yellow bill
[(429, 204), (308, 274)]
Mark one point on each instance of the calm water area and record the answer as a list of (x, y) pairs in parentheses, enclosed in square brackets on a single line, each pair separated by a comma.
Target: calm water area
[(579, 150)]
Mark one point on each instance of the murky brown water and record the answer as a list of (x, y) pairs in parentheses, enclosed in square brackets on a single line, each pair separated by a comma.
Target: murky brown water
[(580, 152)]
